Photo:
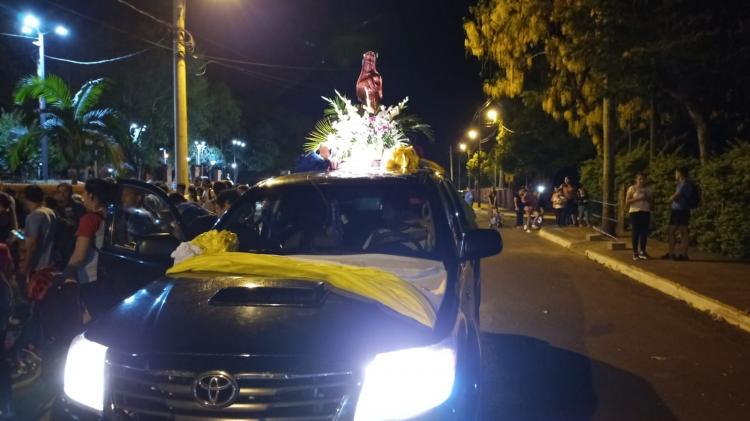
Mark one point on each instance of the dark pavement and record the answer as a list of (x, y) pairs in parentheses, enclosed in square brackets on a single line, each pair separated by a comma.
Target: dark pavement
[(567, 339)]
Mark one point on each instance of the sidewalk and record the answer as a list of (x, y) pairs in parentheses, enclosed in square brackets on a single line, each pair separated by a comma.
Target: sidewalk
[(706, 282)]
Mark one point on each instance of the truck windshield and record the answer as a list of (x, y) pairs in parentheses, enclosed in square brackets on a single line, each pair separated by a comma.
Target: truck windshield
[(337, 219)]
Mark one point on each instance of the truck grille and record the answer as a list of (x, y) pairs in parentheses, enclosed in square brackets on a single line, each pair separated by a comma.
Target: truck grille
[(139, 394)]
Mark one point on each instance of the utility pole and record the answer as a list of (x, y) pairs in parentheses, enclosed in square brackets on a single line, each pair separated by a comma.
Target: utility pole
[(479, 173), (42, 105), (459, 172), (180, 95), (450, 158), (608, 170)]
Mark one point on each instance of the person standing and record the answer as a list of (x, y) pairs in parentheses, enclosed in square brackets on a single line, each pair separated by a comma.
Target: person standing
[(90, 234), (569, 192), (518, 206), (679, 217), (39, 231), (68, 208), (493, 199), (639, 200), (530, 204), (6, 311), (558, 205), (8, 220)]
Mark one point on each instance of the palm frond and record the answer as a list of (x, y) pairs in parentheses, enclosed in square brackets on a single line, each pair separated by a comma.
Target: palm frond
[(104, 115), (52, 121), (53, 88), (336, 105), (107, 145), (26, 89), (412, 124), (318, 135), (88, 96), (24, 149)]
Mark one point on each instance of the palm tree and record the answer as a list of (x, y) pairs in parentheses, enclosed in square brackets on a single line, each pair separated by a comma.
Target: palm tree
[(79, 132)]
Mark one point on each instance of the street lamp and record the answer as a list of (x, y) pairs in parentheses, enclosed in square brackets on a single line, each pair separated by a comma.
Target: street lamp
[(492, 115), (462, 148), (473, 134), (235, 144), (199, 148), (32, 25)]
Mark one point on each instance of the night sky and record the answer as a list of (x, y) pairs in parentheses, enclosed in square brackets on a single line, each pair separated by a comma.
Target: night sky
[(420, 47)]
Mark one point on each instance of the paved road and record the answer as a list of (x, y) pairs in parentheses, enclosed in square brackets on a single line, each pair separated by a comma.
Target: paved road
[(567, 339)]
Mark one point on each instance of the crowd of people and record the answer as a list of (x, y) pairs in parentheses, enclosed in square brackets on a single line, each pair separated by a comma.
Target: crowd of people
[(49, 245), (571, 206)]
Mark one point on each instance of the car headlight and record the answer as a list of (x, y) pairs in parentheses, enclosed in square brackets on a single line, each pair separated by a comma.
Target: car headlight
[(84, 372), (402, 384)]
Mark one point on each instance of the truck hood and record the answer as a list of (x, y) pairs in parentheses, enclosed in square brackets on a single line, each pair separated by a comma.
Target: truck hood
[(208, 313)]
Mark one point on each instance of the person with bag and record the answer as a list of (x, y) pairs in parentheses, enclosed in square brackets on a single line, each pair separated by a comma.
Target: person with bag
[(684, 198), (639, 200), (83, 263), (90, 233), (39, 231)]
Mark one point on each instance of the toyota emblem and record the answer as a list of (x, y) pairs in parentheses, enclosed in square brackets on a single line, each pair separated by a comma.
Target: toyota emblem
[(215, 389)]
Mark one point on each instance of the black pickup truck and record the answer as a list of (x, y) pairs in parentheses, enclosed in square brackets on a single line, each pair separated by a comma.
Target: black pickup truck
[(219, 346)]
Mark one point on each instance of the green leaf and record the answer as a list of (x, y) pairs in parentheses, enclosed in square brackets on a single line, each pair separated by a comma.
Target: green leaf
[(318, 135), (88, 96)]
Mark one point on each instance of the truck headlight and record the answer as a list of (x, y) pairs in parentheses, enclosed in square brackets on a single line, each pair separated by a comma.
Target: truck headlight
[(84, 372), (402, 384)]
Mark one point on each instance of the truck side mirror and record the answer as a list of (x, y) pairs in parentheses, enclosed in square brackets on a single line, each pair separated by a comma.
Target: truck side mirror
[(481, 243)]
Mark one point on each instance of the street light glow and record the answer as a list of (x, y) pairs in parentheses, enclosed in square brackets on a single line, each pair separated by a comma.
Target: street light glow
[(26, 30), (472, 134), (492, 115), (30, 21), (462, 146), (61, 30), (234, 165)]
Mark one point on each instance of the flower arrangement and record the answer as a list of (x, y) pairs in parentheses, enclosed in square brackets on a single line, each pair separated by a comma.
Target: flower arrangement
[(360, 138)]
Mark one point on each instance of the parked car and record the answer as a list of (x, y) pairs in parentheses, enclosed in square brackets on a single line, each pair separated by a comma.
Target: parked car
[(209, 345)]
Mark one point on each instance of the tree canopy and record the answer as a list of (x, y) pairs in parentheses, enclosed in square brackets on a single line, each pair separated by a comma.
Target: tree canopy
[(566, 55)]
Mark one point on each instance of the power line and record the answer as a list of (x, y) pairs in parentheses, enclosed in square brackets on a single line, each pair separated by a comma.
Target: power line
[(108, 26), (269, 65), (16, 35), (103, 61), (147, 14)]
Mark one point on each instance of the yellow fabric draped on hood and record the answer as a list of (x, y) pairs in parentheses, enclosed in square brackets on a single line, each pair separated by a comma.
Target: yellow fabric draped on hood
[(378, 285)]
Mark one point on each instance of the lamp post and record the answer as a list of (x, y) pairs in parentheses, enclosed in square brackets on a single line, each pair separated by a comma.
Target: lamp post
[(473, 134), (33, 26), (462, 148), (199, 148), (235, 144)]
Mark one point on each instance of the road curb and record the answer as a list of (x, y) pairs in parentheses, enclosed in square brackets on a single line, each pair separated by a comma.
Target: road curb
[(695, 299), (555, 239), (664, 285)]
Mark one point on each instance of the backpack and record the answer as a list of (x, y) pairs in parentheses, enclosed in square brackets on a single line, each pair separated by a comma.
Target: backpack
[(63, 241), (694, 199)]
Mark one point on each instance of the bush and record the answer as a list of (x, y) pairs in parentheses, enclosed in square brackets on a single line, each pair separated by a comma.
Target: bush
[(719, 224)]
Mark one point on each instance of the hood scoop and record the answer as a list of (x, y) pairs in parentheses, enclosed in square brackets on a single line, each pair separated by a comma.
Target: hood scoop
[(276, 293)]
